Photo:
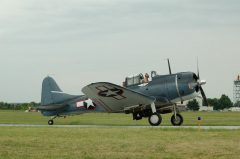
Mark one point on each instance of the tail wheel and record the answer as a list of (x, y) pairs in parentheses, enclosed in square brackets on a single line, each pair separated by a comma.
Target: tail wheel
[(50, 122), (155, 119), (177, 121)]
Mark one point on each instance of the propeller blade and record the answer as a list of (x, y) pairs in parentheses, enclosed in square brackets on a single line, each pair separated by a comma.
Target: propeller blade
[(197, 88), (169, 67), (203, 95), (198, 70), (195, 77)]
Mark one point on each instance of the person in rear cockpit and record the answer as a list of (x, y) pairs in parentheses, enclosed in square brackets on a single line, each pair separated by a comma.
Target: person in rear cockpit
[(146, 78)]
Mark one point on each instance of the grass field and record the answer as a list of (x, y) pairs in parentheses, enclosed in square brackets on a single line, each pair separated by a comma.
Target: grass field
[(190, 118), (114, 143)]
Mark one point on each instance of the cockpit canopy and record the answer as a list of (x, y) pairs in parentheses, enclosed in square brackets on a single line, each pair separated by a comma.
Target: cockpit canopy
[(138, 79), (134, 80)]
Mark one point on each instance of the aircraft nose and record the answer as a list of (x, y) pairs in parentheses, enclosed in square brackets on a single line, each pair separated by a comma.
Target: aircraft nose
[(197, 82), (202, 82)]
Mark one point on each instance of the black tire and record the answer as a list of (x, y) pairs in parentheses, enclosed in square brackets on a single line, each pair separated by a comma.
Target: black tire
[(137, 116), (50, 122), (177, 122), (155, 119)]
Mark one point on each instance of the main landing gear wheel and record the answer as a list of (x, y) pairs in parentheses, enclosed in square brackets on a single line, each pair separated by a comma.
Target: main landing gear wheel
[(155, 119), (177, 121), (50, 122)]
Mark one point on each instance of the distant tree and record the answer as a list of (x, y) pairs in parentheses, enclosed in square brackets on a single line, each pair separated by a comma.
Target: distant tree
[(237, 104), (34, 104), (225, 102), (214, 102), (1, 105), (220, 104), (193, 105), (5, 105), (22, 106)]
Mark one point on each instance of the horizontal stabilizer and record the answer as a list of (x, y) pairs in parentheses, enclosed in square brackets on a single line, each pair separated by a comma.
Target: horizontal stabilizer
[(61, 97), (51, 107)]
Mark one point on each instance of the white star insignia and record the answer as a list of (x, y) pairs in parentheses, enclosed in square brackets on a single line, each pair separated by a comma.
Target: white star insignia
[(89, 103)]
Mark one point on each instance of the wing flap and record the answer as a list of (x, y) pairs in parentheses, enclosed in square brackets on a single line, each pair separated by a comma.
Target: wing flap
[(115, 98)]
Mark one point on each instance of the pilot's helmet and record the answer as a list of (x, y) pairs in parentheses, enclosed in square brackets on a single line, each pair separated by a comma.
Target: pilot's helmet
[(146, 75)]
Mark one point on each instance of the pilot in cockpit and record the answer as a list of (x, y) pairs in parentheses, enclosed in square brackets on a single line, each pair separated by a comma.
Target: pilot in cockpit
[(146, 78)]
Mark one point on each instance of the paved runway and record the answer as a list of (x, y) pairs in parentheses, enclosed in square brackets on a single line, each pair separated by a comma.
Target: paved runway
[(127, 127)]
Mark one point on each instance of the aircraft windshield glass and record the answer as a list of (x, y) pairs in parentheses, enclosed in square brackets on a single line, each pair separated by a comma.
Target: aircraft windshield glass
[(153, 74), (134, 80)]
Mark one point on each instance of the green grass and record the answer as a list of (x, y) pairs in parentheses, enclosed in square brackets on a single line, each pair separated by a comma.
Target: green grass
[(190, 118), (114, 143)]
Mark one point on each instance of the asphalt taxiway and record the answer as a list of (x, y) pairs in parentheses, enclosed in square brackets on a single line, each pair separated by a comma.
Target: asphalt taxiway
[(127, 127)]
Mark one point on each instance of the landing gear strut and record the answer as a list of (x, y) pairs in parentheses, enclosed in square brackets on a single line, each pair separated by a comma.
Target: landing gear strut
[(176, 118)]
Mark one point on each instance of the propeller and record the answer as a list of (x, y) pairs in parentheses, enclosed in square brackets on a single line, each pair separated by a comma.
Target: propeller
[(199, 85), (169, 67)]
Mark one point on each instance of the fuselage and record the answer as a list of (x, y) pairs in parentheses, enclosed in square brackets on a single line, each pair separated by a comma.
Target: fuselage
[(74, 107), (175, 87)]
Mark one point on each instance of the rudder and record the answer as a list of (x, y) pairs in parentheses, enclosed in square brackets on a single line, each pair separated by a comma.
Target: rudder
[(48, 85)]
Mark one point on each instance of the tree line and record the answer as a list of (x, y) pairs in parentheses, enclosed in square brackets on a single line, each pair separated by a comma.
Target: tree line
[(18, 106), (221, 103)]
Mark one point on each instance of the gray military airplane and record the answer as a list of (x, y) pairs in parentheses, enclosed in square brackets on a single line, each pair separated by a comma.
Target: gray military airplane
[(56, 103), (148, 98)]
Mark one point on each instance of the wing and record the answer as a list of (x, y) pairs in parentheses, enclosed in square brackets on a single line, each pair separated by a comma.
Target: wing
[(114, 98)]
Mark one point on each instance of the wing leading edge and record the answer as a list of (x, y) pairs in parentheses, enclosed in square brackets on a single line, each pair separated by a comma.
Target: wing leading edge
[(114, 98)]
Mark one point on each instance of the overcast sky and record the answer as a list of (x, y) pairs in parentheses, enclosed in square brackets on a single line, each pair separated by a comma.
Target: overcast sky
[(82, 41)]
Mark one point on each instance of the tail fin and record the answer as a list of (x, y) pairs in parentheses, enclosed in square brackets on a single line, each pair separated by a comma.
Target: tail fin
[(48, 85), (52, 94)]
